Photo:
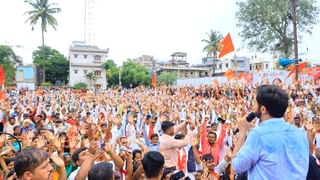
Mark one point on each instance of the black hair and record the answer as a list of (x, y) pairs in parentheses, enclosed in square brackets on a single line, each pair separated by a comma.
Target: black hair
[(166, 125), (211, 132), (274, 99), (154, 135), (207, 157), (75, 155), (179, 136), (29, 160), (101, 171), (153, 163), (134, 152), (9, 160)]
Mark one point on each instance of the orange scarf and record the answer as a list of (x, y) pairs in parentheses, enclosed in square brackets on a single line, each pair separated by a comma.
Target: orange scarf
[(182, 159), (150, 131)]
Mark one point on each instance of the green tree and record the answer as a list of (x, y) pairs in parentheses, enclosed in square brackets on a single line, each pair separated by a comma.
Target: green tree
[(8, 58), (56, 65), (80, 85), (167, 78), (92, 78), (112, 72), (212, 43), (42, 11), (266, 24), (133, 74)]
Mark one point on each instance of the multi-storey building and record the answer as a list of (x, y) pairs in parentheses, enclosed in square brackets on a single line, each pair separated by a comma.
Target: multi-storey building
[(85, 59)]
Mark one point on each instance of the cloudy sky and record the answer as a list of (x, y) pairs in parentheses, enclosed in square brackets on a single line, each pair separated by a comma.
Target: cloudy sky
[(131, 28)]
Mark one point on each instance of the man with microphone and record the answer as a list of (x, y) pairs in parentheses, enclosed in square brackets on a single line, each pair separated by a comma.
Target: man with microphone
[(274, 149)]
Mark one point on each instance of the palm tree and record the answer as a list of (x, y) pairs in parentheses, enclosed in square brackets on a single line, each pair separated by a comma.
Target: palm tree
[(212, 46), (91, 77), (43, 11)]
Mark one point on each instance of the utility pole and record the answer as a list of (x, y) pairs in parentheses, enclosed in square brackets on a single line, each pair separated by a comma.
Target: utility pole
[(295, 38)]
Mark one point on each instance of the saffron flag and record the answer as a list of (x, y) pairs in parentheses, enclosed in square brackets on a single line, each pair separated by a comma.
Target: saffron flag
[(154, 79), (226, 46), (230, 74), (314, 72), (292, 68), (2, 75), (2, 95)]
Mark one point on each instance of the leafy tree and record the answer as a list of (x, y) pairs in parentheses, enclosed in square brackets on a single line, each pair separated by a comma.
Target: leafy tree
[(92, 78), (212, 42), (266, 24), (42, 11), (8, 58), (167, 78), (112, 72), (133, 74), (56, 65), (80, 85)]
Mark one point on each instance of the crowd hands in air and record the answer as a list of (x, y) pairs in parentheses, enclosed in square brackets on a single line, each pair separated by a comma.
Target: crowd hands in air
[(141, 133)]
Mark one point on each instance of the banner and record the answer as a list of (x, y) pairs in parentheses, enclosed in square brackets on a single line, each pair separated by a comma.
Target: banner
[(272, 77)]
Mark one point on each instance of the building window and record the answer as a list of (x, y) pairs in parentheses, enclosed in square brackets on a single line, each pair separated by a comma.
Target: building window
[(250, 67), (220, 66), (76, 71), (227, 65), (97, 58), (75, 55), (85, 56), (97, 73), (85, 71), (267, 66)]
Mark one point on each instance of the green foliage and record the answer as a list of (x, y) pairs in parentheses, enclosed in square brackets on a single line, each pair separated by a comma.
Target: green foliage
[(46, 84), (112, 73), (42, 11), (266, 25), (92, 78), (80, 85), (133, 74), (56, 65), (212, 42), (8, 58), (167, 78)]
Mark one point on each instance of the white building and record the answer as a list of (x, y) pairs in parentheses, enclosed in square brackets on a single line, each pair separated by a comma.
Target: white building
[(260, 64), (85, 59)]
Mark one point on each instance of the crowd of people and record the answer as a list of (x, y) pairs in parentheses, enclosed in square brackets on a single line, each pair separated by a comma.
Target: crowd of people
[(164, 133)]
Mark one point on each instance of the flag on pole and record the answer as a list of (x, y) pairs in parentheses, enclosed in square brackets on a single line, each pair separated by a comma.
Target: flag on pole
[(292, 68), (2, 75), (154, 79), (226, 46)]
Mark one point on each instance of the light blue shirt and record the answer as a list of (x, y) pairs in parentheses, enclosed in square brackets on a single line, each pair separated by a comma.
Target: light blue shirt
[(274, 150)]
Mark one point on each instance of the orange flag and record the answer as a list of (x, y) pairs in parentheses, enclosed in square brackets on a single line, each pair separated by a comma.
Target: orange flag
[(2, 75), (226, 46), (230, 74), (2, 95), (292, 68), (154, 80)]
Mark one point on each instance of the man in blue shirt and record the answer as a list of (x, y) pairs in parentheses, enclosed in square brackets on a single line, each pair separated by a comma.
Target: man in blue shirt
[(274, 149)]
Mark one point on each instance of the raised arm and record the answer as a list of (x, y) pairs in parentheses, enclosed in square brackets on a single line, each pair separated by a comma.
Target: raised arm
[(174, 143), (221, 136)]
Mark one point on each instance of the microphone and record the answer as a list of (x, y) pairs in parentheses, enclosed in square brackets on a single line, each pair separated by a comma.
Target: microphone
[(250, 117)]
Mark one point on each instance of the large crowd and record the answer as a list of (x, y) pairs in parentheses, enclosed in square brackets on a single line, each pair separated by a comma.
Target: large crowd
[(61, 133)]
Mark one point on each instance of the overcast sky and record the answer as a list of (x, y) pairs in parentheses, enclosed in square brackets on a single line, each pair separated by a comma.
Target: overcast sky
[(131, 28)]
